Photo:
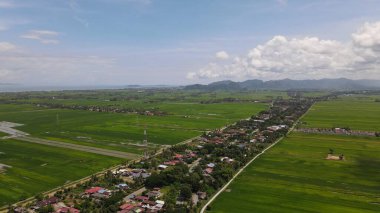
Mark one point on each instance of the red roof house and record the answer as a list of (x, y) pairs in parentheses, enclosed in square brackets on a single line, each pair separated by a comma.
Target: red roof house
[(68, 210), (141, 198), (93, 190), (178, 156), (127, 206), (208, 170)]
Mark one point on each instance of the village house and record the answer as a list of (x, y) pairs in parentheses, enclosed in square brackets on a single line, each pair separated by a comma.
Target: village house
[(340, 131), (153, 206), (211, 165), (136, 210), (208, 171), (276, 127), (172, 162), (122, 171), (260, 138), (46, 202), (194, 199), (153, 194), (67, 210), (162, 167), (141, 198), (202, 195), (226, 159), (98, 192), (93, 190), (137, 173), (122, 186), (127, 207), (177, 157), (264, 117), (159, 204)]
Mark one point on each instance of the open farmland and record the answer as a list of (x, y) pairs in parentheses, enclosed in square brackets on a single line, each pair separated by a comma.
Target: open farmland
[(36, 168), (295, 177), (30, 163), (121, 131), (143, 97), (357, 113)]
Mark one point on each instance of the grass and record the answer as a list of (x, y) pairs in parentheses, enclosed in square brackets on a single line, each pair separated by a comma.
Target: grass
[(294, 177), (353, 112), (37, 168), (116, 130)]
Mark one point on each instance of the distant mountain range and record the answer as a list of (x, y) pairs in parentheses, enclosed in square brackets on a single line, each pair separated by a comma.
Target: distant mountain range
[(288, 84)]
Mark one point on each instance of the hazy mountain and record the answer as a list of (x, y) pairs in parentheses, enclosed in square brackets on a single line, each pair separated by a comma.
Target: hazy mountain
[(288, 84)]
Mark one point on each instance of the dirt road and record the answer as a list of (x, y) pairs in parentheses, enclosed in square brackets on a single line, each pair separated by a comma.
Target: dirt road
[(112, 153)]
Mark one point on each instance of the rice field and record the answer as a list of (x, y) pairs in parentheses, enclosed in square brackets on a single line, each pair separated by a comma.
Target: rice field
[(122, 131), (37, 168), (294, 176), (353, 112)]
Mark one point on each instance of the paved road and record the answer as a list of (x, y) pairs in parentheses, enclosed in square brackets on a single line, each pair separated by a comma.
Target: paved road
[(95, 150), (203, 210), (135, 193), (7, 127), (237, 174)]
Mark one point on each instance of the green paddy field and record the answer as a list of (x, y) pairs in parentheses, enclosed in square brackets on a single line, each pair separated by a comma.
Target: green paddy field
[(119, 130), (357, 113), (294, 176), (37, 168)]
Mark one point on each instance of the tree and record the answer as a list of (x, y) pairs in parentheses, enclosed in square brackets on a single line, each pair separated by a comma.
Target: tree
[(155, 180), (46, 209), (193, 180), (185, 192), (39, 197), (170, 199)]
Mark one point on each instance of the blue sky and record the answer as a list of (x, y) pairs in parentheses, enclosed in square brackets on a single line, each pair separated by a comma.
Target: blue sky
[(88, 42)]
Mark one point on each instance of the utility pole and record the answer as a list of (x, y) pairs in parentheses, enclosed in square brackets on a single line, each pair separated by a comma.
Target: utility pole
[(57, 120), (145, 143)]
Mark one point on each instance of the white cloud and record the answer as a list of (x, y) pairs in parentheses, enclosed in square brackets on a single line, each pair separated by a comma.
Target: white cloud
[(308, 57), (222, 55), (43, 36), (366, 42), (368, 35), (6, 47)]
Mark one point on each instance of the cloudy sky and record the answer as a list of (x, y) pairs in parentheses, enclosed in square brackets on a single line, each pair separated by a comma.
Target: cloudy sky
[(118, 42)]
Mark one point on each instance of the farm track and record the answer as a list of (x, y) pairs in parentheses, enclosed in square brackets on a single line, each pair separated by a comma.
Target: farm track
[(95, 150)]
